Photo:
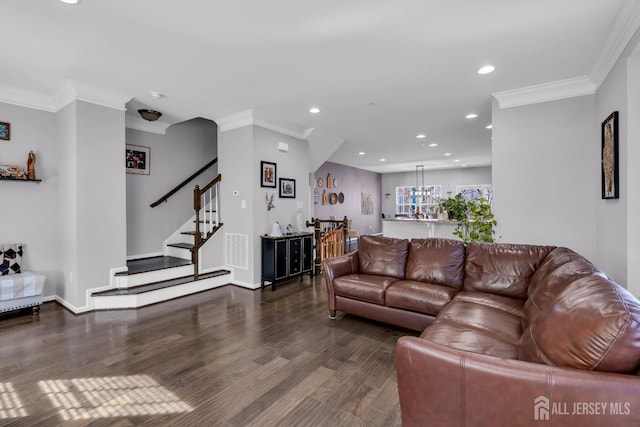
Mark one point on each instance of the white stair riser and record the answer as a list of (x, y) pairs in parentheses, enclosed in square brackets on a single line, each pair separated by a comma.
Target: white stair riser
[(177, 252), (140, 300), (152, 276)]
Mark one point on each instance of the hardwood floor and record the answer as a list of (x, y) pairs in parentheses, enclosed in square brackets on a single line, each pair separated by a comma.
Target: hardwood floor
[(229, 356)]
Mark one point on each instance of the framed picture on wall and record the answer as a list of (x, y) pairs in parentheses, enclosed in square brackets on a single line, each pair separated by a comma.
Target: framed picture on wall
[(609, 164), (5, 131), (287, 188), (267, 174), (137, 159)]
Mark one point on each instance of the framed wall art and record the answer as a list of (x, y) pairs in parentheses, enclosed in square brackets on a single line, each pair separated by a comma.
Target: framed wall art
[(609, 164), (287, 188), (5, 131), (137, 159), (267, 174)]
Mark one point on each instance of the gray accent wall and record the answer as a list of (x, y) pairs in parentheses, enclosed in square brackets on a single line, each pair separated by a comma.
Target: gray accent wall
[(185, 148), (351, 183)]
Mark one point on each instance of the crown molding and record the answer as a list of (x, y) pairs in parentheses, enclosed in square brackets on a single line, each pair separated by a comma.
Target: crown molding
[(553, 91), (137, 123), (79, 91), (25, 98), (628, 22), (250, 117), (69, 91)]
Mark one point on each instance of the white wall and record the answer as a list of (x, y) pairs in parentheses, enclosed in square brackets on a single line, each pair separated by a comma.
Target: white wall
[(633, 173), (29, 213), (448, 178), (546, 177), (240, 152), (100, 197), (175, 156)]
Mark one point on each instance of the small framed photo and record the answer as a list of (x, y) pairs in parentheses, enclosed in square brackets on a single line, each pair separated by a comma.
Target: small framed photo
[(5, 131), (137, 159), (267, 174), (609, 167), (287, 188)]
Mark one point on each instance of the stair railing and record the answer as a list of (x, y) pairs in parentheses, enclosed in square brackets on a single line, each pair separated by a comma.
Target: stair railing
[(205, 199), (183, 183)]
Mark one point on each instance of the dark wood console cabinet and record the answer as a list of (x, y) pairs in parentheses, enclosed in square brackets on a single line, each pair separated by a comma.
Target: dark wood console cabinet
[(286, 257)]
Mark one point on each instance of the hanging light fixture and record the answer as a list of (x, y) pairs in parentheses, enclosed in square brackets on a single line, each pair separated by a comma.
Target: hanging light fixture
[(419, 192)]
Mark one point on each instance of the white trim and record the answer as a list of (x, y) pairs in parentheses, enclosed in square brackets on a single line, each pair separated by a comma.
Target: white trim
[(141, 256), (552, 91), (250, 117), (246, 284), (69, 91), (137, 123), (628, 21), (72, 308)]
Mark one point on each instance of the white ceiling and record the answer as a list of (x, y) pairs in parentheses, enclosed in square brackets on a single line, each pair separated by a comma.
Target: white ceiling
[(380, 71)]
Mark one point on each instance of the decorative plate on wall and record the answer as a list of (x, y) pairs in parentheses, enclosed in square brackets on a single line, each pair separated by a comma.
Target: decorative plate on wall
[(340, 198), (316, 197), (320, 182), (335, 182), (333, 198)]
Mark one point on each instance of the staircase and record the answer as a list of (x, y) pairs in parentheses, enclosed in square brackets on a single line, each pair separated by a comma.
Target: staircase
[(177, 272)]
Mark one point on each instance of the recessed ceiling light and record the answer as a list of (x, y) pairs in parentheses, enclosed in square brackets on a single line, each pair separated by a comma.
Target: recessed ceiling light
[(489, 126), (456, 160), (471, 116), (463, 166), (156, 95), (447, 154), (486, 69), (314, 110), (422, 135), (361, 153), (69, 1), (433, 144), (383, 160)]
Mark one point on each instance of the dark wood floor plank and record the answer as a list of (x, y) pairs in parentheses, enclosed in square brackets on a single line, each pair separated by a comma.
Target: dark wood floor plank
[(235, 356)]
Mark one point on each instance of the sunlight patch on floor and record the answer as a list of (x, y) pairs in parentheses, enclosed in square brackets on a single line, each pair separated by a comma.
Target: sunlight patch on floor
[(10, 404), (103, 397)]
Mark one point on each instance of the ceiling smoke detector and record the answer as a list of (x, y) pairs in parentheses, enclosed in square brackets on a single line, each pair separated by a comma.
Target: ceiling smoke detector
[(150, 115)]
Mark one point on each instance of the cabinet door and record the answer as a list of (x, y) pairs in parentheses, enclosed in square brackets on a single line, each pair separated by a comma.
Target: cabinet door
[(307, 253), (295, 256), (281, 259)]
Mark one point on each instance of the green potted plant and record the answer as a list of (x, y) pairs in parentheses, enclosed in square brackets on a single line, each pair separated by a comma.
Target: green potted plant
[(475, 219), (479, 223), (456, 207)]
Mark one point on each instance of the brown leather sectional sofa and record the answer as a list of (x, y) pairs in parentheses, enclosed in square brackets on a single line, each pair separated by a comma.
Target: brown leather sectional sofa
[(512, 335)]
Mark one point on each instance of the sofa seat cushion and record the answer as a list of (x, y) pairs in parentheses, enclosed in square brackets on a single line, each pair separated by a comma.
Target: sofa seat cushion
[(418, 296), (510, 305), (462, 337), (26, 284), (363, 287), (488, 320), (594, 324)]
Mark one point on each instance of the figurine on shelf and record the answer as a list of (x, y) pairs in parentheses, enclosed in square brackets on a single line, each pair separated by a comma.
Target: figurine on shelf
[(31, 165)]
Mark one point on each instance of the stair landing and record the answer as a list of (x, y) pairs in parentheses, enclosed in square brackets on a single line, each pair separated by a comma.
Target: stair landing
[(156, 279)]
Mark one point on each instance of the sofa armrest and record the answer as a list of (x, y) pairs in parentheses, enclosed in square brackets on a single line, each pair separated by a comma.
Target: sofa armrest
[(443, 386), (334, 268)]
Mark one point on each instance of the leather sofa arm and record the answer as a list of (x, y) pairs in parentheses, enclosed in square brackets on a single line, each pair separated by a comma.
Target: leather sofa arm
[(443, 386), (334, 268)]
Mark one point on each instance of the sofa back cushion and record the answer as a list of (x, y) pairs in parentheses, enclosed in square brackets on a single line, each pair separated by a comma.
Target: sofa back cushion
[(558, 270), (383, 256), (10, 258), (594, 324), (438, 261), (502, 268)]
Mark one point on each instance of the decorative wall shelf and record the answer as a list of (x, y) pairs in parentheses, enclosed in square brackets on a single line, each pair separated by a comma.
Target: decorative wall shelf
[(4, 178)]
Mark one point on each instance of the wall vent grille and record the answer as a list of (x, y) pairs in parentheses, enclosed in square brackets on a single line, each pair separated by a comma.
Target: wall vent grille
[(236, 250)]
